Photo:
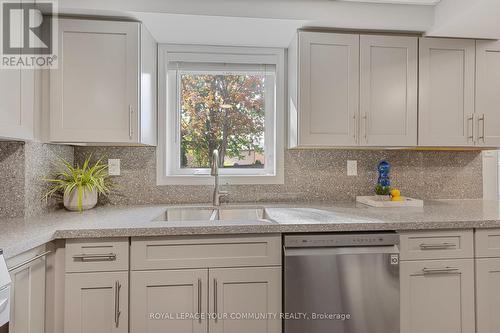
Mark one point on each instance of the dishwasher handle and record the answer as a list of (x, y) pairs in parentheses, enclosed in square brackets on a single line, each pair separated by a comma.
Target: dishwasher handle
[(332, 251), (341, 240)]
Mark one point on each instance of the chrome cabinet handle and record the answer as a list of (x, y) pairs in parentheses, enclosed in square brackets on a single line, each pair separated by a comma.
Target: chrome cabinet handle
[(118, 286), (215, 300), (470, 127), (199, 300), (24, 263), (365, 134), (482, 119), (355, 135), (130, 113), (442, 270), (440, 246), (95, 257)]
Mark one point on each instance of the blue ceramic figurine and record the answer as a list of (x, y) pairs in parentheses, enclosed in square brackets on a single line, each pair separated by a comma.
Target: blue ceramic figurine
[(383, 183)]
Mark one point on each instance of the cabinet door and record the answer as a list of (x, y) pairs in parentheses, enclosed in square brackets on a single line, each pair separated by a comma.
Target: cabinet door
[(96, 302), (158, 298), (94, 92), (388, 93), (437, 296), (488, 93), (17, 88), (446, 100), (328, 89), (241, 291), (28, 296), (488, 295)]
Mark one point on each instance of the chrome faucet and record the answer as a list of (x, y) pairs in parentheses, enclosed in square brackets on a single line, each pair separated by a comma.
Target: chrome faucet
[(218, 194)]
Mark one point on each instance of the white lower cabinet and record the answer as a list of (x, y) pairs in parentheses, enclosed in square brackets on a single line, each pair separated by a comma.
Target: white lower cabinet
[(156, 295), (192, 301), (239, 292), (27, 293), (437, 296), (487, 295), (96, 302), (212, 291)]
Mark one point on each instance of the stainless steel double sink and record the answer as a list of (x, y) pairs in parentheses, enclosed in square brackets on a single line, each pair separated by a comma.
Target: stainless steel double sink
[(224, 213)]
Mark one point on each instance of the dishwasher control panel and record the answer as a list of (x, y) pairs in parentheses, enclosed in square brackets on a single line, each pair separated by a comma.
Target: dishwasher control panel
[(342, 240)]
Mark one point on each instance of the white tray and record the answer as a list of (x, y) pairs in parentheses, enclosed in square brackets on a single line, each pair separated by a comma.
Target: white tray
[(385, 201)]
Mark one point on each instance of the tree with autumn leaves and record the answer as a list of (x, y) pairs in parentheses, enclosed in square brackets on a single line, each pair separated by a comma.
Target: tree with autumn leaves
[(220, 111)]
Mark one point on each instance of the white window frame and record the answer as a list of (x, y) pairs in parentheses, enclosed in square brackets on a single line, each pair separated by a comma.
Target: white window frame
[(168, 152)]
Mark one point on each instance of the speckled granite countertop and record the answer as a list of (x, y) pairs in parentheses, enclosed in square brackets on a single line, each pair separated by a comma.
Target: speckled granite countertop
[(19, 235)]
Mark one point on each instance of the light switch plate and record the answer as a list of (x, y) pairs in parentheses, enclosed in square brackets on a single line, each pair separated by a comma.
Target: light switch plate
[(114, 167), (352, 168)]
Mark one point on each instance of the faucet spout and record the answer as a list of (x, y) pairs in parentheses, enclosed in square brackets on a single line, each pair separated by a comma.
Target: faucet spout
[(214, 171), (214, 168)]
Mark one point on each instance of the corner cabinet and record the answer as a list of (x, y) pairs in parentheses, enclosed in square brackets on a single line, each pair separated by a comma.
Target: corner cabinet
[(104, 90), (28, 302), (351, 90)]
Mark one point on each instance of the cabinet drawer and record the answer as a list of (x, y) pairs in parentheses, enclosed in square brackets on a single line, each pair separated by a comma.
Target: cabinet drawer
[(437, 245), (487, 243), (205, 251), (94, 255)]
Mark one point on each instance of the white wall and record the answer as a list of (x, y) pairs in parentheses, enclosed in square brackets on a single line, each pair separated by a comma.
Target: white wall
[(252, 22), (467, 18)]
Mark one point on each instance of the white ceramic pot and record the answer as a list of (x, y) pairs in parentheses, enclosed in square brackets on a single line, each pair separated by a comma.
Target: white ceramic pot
[(89, 200)]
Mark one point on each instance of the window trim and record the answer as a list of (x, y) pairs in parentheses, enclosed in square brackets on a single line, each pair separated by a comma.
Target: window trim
[(218, 54)]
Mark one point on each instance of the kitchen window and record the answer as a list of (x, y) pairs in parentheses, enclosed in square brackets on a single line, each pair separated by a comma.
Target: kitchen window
[(225, 98)]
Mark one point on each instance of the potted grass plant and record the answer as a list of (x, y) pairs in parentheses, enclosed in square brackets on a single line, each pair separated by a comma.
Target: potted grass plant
[(80, 187)]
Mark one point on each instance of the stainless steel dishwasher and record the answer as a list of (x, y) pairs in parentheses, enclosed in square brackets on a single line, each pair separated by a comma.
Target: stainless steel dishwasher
[(342, 283)]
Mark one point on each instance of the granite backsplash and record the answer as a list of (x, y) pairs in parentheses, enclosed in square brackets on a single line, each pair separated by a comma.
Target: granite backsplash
[(22, 169), (310, 175)]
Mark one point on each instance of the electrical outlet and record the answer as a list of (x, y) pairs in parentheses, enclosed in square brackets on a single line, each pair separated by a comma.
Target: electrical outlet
[(352, 168), (114, 167)]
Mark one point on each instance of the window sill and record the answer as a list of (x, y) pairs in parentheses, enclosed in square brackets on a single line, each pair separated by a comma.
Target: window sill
[(223, 180)]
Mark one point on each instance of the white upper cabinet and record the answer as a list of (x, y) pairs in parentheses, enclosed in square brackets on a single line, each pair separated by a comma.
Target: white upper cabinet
[(104, 89), (487, 117), (388, 91), (324, 109), (446, 105), (351, 90), (17, 90)]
